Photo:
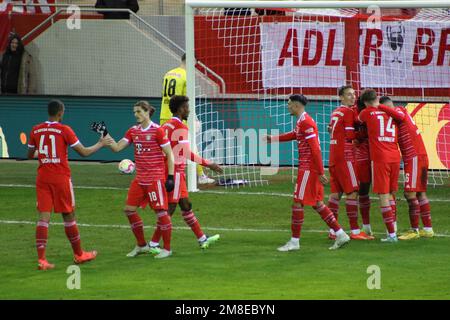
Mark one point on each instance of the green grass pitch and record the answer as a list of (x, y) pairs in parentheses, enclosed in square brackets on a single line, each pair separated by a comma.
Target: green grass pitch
[(243, 265)]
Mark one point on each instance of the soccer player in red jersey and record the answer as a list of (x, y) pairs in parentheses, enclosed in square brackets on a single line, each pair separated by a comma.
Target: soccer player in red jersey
[(363, 169), (384, 154), (311, 176), (415, 161), (177, 133), (342, 162), (151, 148), (54, 188)]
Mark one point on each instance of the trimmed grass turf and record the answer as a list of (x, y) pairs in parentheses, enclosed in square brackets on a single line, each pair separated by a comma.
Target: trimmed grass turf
[(243, 265)]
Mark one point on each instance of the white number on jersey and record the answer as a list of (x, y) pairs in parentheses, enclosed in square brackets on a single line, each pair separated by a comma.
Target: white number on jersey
[(43, 148), (389, 127)]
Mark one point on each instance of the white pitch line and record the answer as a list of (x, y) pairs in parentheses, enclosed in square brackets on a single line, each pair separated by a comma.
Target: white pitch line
[(246, 193), (122, 226)]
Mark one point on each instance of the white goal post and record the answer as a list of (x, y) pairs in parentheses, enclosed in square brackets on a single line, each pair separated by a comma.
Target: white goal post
[(192, 6)]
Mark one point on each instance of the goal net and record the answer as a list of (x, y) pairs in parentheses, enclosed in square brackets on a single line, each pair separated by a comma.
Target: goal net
[(259, 56)]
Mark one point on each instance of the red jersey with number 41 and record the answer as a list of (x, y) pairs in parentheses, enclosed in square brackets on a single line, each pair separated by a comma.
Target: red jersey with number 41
[(382, 133), (148, 155), (51, 140)]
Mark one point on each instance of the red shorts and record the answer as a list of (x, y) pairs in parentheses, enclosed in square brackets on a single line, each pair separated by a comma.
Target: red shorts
[(416, 174), (386, 178), (363, 172), (57, 196), (308, 189), (180, 190), (153, 194), (343, 178)]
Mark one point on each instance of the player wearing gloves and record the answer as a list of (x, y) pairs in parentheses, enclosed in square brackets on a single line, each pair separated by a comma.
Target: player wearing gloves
[(151, 149)]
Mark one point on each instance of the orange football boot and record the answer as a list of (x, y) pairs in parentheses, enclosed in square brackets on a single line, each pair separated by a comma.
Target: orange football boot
[(361, 236), (85, 257), (44, 265)]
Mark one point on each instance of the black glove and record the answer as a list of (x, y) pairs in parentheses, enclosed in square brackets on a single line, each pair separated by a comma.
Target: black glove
[(170, 184), (99, 127)]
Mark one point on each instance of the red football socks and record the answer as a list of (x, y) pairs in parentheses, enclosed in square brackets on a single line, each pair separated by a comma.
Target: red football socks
[(137, 226), (297, 221), (41, 238)]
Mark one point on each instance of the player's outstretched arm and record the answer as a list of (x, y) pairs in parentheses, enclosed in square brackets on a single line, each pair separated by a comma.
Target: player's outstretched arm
[(394, 113), (198, 159), (281, 138), (116, 146), (87, 151)]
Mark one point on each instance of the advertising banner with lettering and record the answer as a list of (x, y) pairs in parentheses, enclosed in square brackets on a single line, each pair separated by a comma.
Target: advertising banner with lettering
[(406, 54), (302, 54)]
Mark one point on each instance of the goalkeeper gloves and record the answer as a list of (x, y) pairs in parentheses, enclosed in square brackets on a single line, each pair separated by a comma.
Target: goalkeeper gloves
[(170, 184), (99, 127)]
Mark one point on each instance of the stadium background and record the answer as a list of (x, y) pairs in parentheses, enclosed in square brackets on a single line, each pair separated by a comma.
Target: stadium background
[(94, 72)]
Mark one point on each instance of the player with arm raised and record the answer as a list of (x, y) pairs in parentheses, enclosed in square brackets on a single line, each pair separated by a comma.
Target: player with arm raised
[(342, 162), (311, 177), (150, 146), (384, 155), (177, 133), (54, 189), (174, 83), (415, 161)]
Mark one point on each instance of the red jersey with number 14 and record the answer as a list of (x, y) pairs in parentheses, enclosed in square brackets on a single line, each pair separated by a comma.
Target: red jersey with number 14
[(382, 133), (51, 140), (409, 139), (148, 155)]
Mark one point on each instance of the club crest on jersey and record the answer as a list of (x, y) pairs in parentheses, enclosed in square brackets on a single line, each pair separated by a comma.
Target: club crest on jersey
[(148, 137)]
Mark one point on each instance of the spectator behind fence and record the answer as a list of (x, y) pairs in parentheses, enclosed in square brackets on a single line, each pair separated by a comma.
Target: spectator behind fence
[(16, 76), (117, 4)]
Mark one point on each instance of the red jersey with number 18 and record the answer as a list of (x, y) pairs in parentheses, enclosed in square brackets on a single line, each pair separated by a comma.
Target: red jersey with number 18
[(382, 133), (51, 139), (148, 155)]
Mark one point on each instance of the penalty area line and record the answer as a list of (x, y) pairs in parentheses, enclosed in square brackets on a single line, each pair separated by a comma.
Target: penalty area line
[(122, 226)]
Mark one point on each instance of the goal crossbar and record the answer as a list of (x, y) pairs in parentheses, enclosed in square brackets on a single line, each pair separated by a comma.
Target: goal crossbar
[(316, 4)]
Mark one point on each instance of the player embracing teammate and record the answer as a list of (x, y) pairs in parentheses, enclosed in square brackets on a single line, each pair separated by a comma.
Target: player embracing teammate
[(415, 162), (343, 177)]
